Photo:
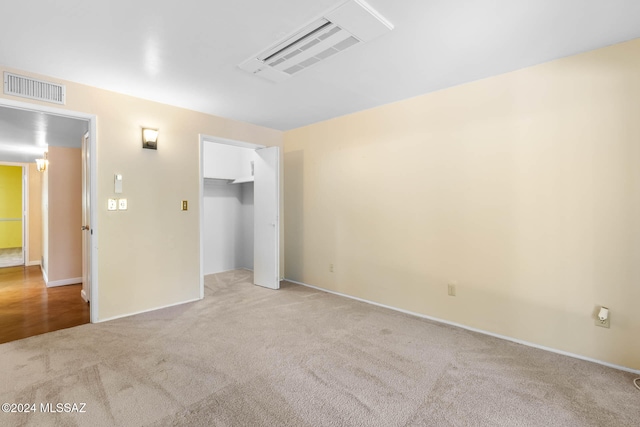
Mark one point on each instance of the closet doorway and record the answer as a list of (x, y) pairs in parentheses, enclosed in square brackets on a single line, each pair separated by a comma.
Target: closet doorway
[(240, 201)]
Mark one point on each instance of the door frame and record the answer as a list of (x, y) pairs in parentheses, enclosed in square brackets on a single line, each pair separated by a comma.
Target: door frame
[(218, 140), (25, 208), (93, 169)]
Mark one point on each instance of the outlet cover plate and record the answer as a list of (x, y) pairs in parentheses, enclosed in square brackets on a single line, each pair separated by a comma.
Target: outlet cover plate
[(605, 324)]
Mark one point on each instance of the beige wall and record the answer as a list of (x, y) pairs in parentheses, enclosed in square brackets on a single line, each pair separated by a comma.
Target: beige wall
[(35, 215), (523, 188), (64, 214), (149, 254)]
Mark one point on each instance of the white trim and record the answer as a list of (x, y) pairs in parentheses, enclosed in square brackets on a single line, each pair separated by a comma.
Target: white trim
[(231, 269), (92, 119), (65, 282), (25, 213), (31, 263), (469, 328), (44, 275), (20, 105), (234, 142), (201, 210), (120, 316), (93, 215)]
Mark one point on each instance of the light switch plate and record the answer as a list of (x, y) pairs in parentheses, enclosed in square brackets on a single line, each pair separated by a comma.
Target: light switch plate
[(451, 289), (122, 204), (117, 183), (185, 205), (112, 204)]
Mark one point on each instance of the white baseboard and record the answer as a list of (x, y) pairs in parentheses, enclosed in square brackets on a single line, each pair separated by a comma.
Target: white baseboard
[(226, 271), (44, 275), (64, 282), (504, 337), (30, 263), (120, 316)]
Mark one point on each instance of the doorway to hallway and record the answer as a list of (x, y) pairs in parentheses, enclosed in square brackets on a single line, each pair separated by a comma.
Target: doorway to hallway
[(28, 307)]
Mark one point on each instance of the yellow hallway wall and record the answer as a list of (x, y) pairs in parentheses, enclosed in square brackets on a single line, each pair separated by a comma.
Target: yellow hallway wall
[(148, 255), (10, 206), (522, 189)]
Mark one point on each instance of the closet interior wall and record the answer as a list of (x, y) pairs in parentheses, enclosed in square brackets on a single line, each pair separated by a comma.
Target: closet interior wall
[(228, 209)]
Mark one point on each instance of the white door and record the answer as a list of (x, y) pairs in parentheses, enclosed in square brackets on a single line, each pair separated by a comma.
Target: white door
[(86, 226), (266, 247)]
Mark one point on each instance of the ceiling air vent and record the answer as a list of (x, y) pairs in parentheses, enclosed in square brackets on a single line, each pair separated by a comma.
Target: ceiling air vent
[(27, 87), (350, 24)]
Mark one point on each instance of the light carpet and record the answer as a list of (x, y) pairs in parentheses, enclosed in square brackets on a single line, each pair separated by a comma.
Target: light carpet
[(248, 356)]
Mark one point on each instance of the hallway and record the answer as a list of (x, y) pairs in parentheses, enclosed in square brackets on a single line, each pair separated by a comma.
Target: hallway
[(28, 307)]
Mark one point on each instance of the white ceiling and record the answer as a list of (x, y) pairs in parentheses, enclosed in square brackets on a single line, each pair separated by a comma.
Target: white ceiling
[(25, 135), (186, 52)]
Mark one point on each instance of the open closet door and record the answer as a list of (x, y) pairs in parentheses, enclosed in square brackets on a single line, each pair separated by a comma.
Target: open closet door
[(266, 252)]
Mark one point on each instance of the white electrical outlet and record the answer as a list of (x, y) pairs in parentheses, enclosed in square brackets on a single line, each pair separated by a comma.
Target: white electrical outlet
[(331, 268), (603, 318), (122, 204), (112, 204), (603, 323)]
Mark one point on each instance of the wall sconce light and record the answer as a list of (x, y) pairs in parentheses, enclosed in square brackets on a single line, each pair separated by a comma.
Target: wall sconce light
[(150, 138), (41, 164)]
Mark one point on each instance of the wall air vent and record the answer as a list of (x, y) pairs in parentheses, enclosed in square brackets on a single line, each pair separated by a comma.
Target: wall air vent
[(347, 25), (27, 87)]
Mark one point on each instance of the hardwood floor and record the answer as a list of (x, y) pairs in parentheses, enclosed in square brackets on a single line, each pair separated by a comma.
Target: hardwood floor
[(28, 307)]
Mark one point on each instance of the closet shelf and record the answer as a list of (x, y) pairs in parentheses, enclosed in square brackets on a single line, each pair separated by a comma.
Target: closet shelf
[(242, 180)]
